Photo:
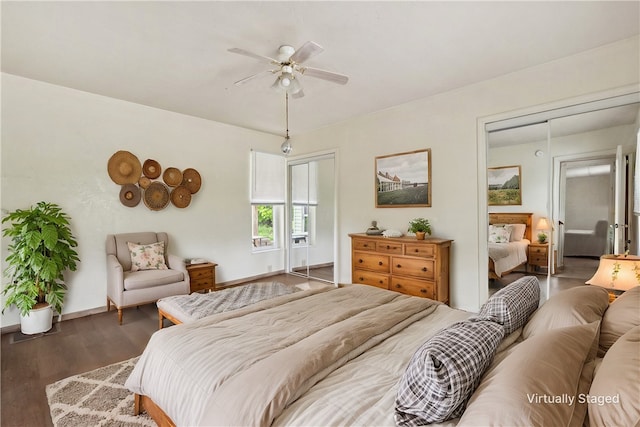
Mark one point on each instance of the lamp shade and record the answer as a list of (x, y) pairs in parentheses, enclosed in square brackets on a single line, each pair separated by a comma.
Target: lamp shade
[(543, 224), (619, 272)]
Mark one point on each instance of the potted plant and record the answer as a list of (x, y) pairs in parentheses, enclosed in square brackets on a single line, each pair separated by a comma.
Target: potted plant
[(420, 226), (41, 250)]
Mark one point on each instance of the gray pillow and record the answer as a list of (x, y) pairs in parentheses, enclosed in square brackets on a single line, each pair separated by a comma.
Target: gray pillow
[(512, 305), (444, 372)]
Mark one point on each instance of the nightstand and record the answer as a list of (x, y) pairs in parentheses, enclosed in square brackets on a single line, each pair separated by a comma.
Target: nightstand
[(537, 256), (202, 276)]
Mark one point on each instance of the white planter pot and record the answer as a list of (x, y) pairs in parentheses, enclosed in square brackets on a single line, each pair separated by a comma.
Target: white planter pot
[(38, 320)]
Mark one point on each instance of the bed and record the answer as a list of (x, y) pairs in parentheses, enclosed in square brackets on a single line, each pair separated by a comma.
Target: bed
[(587, 243), (506, 256), (343, 357)]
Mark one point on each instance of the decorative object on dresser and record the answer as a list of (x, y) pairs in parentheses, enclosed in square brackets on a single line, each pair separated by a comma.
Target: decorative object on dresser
[(402, 264), (202, 276), (504, 186), (403, 180), (420, 227)]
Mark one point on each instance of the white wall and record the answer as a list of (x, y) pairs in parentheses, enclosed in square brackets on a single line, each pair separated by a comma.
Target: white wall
[(447, 123), (56, 143), (55, 146)]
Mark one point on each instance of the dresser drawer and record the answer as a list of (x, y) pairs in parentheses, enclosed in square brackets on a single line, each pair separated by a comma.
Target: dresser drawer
[(423, 268), (363, 245), (389, 247), (418, 288), (538, 251), (421, 250), (371, 261), (201, 273), (200, 284), (370, 278)]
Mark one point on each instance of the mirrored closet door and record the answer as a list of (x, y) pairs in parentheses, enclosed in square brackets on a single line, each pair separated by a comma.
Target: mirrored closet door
[(577, 167), (311, 217)]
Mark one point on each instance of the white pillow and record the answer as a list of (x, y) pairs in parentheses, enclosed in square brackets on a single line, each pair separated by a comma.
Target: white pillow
[(517, 232), (499, 234)]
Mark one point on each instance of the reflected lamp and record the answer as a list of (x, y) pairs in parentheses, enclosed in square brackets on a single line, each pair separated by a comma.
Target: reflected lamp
[(542, 227)]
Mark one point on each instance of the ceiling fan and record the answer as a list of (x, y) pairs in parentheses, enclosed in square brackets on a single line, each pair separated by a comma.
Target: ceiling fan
[(289, 68)]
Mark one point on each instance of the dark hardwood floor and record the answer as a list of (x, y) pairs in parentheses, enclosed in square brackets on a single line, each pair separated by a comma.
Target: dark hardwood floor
[(74, 346), (80, 345)]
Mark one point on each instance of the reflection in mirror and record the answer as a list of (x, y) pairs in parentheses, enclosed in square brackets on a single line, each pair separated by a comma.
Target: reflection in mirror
[(593, 201), (525, 147), (312, 210)]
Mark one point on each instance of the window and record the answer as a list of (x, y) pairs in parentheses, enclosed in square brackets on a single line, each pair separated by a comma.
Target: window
[(267, 200), (300, 225)]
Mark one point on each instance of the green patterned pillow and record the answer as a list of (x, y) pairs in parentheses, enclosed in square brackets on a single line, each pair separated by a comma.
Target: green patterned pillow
[(147, 257)]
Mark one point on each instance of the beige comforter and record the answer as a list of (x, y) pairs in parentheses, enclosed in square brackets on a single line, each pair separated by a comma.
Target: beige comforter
[(245, 367)]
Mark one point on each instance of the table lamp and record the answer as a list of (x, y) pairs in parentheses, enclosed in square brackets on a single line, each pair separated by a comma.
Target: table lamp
[(617, 273), (542, 227)]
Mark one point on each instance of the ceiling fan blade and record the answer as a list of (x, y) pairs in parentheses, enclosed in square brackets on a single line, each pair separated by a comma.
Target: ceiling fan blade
[(325, 75), (298, 94), (247, 79), (305, 52), (254, 55)]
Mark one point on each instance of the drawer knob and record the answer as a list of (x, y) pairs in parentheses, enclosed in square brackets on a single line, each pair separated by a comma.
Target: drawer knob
[(379, 262), (398, 286), (424, 268), (360, 261), (424, 291), (399, 266), (362, 279), (417, 250), (388, 247), (381, 281)]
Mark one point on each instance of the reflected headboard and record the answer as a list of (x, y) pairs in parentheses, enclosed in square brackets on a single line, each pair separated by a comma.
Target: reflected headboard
[(513, 218)]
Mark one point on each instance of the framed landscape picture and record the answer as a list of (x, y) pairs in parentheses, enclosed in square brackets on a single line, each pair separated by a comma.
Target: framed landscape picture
[(403, 180), (504, 186)]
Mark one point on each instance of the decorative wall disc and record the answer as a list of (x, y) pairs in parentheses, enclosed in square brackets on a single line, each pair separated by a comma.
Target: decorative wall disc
[(124, 168), (156, 196), (181, 196), (151, 169), (192, 180), (130, 195), (144, 182), (172, 177)]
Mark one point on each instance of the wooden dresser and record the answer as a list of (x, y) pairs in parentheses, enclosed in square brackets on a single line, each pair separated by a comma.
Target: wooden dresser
[(402, 264)]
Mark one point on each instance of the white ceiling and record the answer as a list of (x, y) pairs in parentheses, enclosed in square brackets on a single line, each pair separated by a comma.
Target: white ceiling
[(173, 55)]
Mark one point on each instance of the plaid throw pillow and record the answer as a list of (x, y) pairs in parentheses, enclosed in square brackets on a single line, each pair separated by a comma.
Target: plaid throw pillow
[(147, 257), (444, 372), (512, 305)]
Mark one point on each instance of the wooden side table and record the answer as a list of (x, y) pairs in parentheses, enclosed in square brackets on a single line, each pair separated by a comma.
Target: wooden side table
[(537, 256), (202, 276)]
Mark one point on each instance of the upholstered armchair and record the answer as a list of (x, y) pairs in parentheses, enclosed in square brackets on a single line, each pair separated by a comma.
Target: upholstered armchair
[(140, 270)]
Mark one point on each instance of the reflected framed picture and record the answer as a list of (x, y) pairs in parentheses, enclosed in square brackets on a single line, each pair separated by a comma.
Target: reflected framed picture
[(505, 186), (403, 180)]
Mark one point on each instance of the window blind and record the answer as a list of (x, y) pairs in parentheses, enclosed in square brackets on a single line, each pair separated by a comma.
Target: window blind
[(267, 179)]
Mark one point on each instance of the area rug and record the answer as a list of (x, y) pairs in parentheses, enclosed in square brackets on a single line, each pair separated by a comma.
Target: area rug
[(95, 398)]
